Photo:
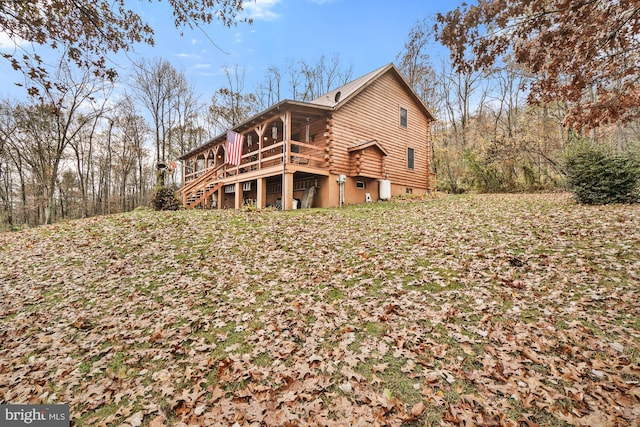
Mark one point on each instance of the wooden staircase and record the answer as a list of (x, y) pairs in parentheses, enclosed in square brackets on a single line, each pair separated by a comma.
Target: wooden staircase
[(196, 192), (201, 195)]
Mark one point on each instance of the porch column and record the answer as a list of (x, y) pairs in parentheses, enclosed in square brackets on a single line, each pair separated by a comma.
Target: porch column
[(260, 132), (286, 130), (221, 197), (287, 191), (261, 200), (238, 195)]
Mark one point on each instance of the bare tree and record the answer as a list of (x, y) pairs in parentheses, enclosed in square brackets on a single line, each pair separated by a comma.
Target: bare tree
[(186, 118), (230, 105), (322, 76), (83, 152), (13, 163), (83, 146), (415, 64), (162, 90), (48, 127), (129, 134), (459, 92), (462, 95), (303, 81), (8, 128), (269, 91), (295, 79)]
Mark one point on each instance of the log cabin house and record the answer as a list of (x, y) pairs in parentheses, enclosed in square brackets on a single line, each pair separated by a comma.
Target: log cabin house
[(366, 140)]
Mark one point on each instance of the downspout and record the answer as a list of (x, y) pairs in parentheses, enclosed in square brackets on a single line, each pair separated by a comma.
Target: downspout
[(341, 180)]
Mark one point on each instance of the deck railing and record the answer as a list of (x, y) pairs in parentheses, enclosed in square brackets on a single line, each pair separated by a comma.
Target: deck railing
[(205, 175), (300, 153)]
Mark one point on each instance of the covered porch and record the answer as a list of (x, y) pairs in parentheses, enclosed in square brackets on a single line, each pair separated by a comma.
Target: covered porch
[(285, 149)]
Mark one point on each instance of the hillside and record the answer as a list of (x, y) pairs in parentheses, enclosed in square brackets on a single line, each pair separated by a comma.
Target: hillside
[(487, 310)]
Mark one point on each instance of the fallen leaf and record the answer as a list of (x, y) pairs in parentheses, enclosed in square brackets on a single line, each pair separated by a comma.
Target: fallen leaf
[(346, 387), (418, 409), (136, 419), (158, 421)]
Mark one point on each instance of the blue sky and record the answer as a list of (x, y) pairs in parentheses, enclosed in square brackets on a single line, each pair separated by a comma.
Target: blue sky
[(365, 33)]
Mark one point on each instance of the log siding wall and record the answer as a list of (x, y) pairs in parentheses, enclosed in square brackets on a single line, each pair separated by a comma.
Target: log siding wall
[(368, 162), (374, 113)]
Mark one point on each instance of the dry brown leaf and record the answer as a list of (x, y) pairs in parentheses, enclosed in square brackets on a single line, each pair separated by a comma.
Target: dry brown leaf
[(135, 420), (158, 421), (418, 409)]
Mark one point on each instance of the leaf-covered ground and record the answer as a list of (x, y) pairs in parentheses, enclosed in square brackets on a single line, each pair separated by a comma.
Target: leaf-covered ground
[(516, 310)]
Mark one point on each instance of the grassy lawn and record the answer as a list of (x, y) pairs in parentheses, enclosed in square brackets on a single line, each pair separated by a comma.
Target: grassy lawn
[(473, 310)]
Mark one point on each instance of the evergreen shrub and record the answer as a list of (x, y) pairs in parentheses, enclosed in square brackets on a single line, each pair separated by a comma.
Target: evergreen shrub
[(598, 174)]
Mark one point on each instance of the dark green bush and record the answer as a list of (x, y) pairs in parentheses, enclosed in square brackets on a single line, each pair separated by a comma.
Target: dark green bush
[(485, 177), (598, 174), (164, 199)]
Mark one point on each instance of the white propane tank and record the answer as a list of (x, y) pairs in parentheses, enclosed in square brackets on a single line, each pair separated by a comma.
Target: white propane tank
[(385, 189)]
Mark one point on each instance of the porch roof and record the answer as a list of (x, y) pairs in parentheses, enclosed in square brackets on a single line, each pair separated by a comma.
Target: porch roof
[(275, 110), (367, 144)]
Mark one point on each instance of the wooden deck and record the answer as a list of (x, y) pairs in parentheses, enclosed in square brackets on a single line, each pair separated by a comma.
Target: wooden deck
[(260, 163)]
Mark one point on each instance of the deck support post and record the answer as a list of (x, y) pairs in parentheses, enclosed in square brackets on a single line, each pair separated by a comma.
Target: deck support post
[(261, 196), (221, 197), (238, 203), (287, 193)]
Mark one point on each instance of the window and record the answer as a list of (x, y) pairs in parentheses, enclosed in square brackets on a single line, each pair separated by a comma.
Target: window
[(410, 158), (303, 185), (403, 117), (274, 188), (360, 185)]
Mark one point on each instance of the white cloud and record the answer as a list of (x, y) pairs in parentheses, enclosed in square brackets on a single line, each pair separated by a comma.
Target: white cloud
[(261, 10), (7, 43), (201, 66), (183, 55)]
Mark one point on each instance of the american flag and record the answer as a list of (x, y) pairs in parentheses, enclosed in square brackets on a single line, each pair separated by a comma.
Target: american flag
[(234, 147)]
